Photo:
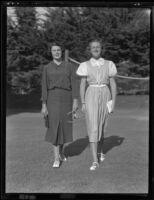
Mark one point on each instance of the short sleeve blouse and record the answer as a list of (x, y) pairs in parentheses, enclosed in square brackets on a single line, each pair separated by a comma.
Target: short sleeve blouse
[(112, 69), (82, 69)]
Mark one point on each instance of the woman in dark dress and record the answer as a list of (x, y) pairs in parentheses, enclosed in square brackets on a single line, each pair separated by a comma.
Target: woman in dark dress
[(59, 101)]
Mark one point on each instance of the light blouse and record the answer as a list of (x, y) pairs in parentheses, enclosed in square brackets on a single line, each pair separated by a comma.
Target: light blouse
[(97, 71)]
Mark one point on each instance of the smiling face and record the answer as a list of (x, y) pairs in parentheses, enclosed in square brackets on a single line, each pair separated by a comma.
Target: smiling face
[(56, 52), (95, 49)]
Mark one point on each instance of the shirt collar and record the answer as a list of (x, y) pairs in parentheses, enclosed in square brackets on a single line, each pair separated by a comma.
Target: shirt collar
[(57, 64), (99, 62)]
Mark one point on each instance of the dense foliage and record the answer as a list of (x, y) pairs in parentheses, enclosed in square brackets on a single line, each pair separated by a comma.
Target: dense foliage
[(125, 33)]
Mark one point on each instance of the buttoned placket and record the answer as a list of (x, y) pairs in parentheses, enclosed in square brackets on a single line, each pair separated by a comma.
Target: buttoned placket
[(97, 77), (98, 82)]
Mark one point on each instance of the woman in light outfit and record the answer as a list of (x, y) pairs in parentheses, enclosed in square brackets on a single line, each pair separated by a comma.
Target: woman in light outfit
[(99, 73)]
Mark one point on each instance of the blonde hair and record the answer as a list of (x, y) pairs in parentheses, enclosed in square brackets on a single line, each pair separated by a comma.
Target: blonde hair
[(95, 40), (89, 46)]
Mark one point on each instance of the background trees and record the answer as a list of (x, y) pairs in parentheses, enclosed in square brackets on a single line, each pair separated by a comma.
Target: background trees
[(124, 32)]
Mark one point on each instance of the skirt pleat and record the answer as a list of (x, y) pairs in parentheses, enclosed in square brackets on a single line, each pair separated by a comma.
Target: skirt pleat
[(96, 99), (59, 104)]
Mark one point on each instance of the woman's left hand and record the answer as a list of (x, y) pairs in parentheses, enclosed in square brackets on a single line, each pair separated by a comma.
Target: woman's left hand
[(113, 105), (75, 105)]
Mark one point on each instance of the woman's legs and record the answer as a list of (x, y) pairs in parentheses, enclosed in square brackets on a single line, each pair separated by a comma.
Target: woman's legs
[(56, 152), (94, 154), (61, 149), (61, 153), (100, 150), (94, 151), (100, 145)]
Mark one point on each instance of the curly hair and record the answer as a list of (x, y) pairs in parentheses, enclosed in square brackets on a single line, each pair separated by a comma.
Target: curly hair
[(96, 40), (55, 44), (89, 46)]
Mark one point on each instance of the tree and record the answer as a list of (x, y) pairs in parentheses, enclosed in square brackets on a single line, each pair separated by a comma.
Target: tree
[(124, 32), (24, 55)]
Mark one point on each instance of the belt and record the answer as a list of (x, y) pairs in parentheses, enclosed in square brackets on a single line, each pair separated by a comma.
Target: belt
[(97, 85)]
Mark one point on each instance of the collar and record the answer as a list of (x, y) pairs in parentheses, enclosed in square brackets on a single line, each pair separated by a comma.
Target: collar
[(57, 63), (98, 62)]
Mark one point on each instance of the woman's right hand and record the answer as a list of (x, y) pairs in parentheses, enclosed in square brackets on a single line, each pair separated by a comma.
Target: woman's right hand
[(83, 107), (44, 110)]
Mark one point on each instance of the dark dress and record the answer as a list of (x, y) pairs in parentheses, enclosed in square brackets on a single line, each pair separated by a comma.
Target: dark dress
[(59, 88)]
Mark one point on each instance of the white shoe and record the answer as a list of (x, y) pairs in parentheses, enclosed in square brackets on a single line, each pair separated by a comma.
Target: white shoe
[(62, 158), (56, 164), (94, 166), (102, 157)]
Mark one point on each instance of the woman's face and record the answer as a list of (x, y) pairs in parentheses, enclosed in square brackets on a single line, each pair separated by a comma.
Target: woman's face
[(56, 52), (95, 49)]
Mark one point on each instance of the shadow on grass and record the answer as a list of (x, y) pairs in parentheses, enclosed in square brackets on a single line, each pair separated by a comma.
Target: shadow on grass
[(22, 103), (79, 145), (76, 147), (109, 143), (13, 111)]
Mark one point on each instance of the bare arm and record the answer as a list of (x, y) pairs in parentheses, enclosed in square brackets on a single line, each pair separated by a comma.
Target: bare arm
[(74, 84), (113, 90)]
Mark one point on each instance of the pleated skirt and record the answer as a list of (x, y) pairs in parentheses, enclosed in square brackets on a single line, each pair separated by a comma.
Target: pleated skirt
[(96, 99), (59, 105)]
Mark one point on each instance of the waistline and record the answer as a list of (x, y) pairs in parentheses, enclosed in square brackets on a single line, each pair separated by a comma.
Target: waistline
[(97, 85)]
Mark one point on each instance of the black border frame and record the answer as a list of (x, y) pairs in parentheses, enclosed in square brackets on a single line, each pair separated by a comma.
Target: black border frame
[(32, 196)]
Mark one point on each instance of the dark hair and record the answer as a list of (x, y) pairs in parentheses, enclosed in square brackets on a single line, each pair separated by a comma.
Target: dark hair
[(50, 45), (55, 44)]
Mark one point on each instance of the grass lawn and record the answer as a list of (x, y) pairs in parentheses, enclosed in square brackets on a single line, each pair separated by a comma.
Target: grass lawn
[(125, 170)]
